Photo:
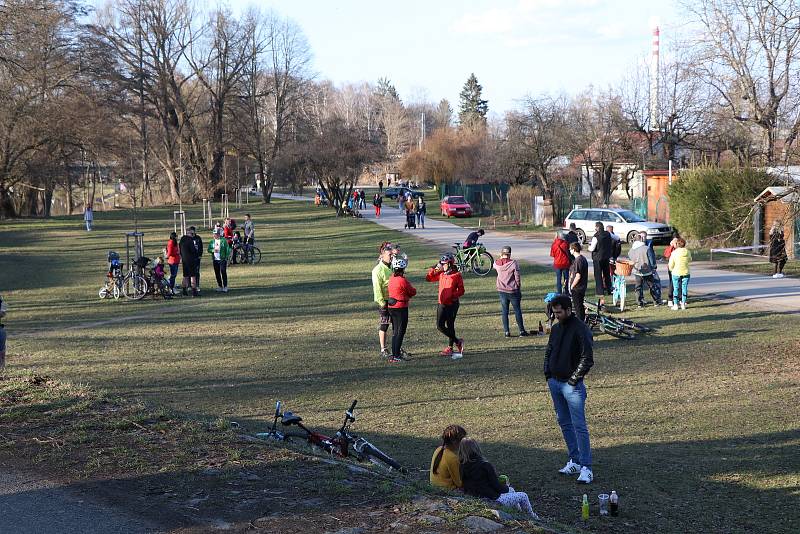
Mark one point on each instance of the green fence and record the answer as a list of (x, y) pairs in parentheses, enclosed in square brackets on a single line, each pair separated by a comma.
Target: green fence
[(480, 196)]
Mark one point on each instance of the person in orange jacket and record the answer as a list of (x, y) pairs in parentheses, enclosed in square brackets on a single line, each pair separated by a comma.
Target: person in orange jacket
[(400, 293), (451, 288)]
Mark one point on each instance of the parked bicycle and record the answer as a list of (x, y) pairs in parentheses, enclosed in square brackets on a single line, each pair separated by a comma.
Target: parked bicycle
[(156, 285), (343, 444), (613, 326), (476, 259), (246, 253), (132, 285)]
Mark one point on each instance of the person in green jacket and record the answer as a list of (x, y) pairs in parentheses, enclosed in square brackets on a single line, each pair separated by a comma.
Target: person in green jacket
[(220, 252), (380, 290)]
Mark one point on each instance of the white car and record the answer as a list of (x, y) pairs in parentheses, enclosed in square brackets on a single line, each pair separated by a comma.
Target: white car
[(625, 222)]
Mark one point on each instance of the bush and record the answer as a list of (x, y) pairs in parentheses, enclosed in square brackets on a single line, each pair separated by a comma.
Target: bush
[(715, 203)]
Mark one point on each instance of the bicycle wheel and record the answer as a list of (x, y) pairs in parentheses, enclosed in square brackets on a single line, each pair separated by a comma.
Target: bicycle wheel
[(135, 287), (637, 327), (482, 263), (166, 291), (378, 457), (104, 293), (255, 255), (617, 332)]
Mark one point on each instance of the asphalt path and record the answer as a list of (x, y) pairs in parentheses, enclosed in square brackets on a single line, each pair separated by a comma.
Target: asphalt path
[(759, 291)]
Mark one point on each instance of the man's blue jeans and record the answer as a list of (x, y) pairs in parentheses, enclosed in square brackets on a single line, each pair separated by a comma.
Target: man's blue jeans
[(569, 402), (562, 279), (513, 298)]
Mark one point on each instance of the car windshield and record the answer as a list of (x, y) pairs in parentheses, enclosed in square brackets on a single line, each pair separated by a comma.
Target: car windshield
[(456, 200), (630, 217)]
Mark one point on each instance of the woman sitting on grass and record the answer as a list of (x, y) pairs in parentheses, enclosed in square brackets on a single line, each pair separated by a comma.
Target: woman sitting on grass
[(480, 479), (445, 468)]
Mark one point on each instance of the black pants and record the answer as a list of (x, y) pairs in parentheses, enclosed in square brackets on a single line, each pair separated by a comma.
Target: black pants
[(602, 277), (779, 265), (446, 321), (221, 272), (641, 281), (399, 325), (578, 298), (671, 289), (197, 273)]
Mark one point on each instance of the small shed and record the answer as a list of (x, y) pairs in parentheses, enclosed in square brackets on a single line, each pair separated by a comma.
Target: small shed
[(778, 204), (658, 182)]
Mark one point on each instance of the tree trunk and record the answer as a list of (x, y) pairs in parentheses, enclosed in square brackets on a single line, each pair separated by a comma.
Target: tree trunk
[(48, 200)]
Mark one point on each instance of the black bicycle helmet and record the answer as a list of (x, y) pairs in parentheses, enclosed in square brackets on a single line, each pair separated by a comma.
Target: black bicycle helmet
[(447, 257)]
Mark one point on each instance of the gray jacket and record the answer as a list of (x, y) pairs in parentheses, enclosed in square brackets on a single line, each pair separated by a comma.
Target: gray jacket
[(641, 263)]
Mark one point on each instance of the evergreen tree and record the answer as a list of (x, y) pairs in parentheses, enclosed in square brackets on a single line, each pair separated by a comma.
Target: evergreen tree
[(472, 108)]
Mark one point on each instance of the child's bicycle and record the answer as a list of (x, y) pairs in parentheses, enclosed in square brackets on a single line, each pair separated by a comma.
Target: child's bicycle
[(613, 326), (474, 258), (344, 444), (132, 285)]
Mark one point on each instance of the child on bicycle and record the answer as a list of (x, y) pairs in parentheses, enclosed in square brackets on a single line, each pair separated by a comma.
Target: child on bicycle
[(480, 479), (158, 268), (445, 469), (400, 293)]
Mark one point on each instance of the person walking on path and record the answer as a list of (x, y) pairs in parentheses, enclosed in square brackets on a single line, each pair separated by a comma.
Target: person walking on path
[(567, 359), (221, 251), (422, 209), (451, 289), (88, 217), (509, 287), (173, 259), (642, 270), (480, 479), (380, 290), (380, 187), (377, 202), (400, 293), (3, 311), (191, 261), (777, 248), (679, 262), (445, 468), (559, 251), (667, 253), (362, 197), (601, 248), (578, 280)]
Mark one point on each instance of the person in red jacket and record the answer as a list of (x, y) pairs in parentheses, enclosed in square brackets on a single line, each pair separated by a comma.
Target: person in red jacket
[(400, 293), (559, 251), (173, 258), (451, 288)]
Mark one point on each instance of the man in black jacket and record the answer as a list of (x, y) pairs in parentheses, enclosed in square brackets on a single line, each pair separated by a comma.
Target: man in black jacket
[(190, 260), (567, 359), (601, 249)]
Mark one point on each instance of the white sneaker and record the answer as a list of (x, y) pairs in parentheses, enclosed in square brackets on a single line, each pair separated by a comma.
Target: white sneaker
[(586, 476), (683, 305), (225, 289), (456, 356), (780, 275), (775, 275), (570, 469), (673, 307)]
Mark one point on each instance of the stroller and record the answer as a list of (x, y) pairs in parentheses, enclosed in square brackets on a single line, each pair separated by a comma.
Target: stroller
[(411, 219)]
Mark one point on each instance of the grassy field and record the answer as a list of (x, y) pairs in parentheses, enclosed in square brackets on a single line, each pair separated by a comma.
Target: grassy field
[(695, 427)]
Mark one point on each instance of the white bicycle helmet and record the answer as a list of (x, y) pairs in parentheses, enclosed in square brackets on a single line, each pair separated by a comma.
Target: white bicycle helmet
[(399, 262)]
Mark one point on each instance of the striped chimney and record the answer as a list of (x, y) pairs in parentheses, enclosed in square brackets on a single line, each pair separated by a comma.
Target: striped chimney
[(654, 81)]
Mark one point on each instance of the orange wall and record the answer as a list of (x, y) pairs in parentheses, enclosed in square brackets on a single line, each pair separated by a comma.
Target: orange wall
[(657, 202)]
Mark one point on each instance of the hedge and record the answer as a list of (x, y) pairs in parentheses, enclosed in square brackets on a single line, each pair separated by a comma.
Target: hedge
[(714, 202)]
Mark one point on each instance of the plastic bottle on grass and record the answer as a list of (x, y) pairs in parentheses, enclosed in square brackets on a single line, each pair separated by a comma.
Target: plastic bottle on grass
[(614, 503), (585, 507)]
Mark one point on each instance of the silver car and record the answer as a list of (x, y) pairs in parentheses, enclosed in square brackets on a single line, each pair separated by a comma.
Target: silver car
[(625, 222)]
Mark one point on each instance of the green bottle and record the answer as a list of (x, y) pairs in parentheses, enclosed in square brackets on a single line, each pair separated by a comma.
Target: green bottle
[(585, 507)]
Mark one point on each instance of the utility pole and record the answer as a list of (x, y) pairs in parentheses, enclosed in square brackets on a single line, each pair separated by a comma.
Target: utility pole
[(422, 130)]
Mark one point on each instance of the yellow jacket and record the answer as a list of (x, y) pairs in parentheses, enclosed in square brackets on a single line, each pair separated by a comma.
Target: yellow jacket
[(679, 261), (448, 474)]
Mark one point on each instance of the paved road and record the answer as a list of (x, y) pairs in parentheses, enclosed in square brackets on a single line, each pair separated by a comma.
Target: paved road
[(763, 292), (30, 505)]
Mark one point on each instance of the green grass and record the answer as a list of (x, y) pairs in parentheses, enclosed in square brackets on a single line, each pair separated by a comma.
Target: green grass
[(696, 427)]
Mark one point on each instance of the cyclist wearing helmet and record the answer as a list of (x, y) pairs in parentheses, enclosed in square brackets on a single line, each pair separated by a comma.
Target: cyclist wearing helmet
[(472, 238), (380, 289), (451, 288), (400, 293)]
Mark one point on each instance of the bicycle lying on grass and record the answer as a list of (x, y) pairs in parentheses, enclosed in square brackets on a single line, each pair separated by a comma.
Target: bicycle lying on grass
[(344, 444), (613, 326), (474, 258)]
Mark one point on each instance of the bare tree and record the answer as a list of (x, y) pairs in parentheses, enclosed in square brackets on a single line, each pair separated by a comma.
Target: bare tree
[(748, 53)]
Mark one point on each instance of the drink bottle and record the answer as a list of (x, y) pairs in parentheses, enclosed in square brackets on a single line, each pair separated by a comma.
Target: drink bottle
[(614, 503), (585, 507), (541, 329)]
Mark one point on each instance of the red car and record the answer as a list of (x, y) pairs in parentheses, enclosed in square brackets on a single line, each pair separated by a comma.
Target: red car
[(455, 206)]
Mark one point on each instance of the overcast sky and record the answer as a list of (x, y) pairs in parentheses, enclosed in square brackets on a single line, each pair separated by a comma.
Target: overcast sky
[(515, 47)]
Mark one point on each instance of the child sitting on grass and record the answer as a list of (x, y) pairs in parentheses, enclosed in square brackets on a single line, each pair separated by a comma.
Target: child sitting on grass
[(480, 479), (445, 468)]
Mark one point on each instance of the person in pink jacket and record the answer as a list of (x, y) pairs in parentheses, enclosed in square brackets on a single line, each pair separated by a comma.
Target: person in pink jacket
[(559, 251), (509, 287)]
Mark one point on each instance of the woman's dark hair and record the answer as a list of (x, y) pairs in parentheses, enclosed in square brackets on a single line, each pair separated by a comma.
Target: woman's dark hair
[(451, 437), (173, 237), (681, 242)]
